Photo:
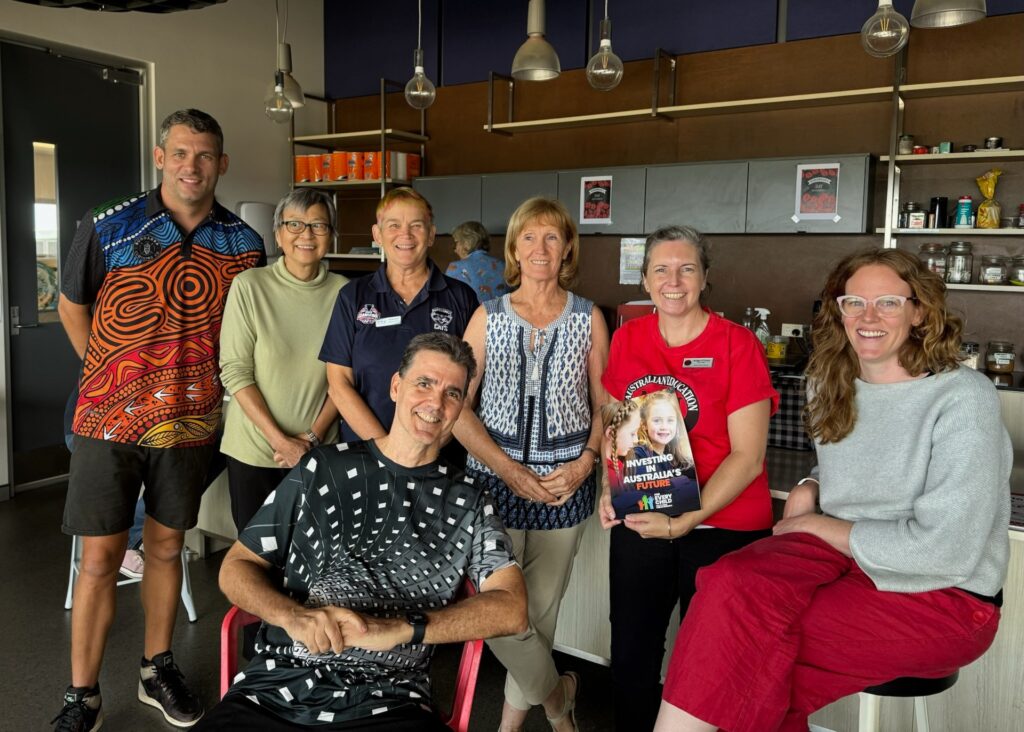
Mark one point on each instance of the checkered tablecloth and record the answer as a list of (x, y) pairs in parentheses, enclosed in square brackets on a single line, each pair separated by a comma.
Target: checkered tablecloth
[(786, 428)]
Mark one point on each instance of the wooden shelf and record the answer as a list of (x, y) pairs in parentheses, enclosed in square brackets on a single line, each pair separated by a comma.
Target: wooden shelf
[(365, 138), (582, 120), (967, 86), (964, 233), (366, 183), (986, 288), (981, 156)]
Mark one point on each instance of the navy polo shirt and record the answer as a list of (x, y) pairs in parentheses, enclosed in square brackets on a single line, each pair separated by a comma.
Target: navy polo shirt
[(371, 326)]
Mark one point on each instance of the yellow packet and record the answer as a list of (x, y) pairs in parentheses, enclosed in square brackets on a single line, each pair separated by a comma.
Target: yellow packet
[(989, 211)]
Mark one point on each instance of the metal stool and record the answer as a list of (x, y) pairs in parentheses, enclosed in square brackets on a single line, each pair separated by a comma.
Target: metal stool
[(186, 583), (906, 686)]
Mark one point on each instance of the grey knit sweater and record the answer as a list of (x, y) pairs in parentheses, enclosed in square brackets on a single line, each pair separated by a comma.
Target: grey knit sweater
[(924, 477)]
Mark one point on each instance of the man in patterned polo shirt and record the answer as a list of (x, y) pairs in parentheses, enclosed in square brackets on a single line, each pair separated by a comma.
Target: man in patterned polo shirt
[(353, 563), (141, 300)]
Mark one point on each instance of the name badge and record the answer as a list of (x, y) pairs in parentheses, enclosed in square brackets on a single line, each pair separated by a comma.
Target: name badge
[(385, 322), (698, 363)]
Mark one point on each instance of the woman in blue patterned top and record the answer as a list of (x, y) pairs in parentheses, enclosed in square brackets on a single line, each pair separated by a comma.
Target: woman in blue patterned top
[(478, 269), (534, 439)]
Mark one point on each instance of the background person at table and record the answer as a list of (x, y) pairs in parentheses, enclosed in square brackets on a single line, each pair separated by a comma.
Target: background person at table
[(478, 269), (534, 439), (268, 355), (902, 573), (720, 376), (376, 316)]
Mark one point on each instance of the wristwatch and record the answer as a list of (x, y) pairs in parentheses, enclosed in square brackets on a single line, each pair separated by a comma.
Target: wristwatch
[(418, 621)]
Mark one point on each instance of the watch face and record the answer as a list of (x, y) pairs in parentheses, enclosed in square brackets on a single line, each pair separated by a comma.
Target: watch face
[(415, 617)]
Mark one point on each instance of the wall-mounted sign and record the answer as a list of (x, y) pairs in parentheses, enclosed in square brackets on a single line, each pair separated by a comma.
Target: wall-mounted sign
[(817, 192), (596, 199), (631, 260)]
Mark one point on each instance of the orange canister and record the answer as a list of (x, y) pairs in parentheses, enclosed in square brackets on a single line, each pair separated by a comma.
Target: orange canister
[(414, 166), (316, 167), (371, 165), (326, 166), (355, 165), (339, 165), (301, 169)]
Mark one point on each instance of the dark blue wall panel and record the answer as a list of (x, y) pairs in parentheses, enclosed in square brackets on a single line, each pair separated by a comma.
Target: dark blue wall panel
[(814, 18), (364, 41), (640, 26), (480, 37)]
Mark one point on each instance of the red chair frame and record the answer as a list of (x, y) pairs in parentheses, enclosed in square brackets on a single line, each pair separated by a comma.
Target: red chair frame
[(465, 683)]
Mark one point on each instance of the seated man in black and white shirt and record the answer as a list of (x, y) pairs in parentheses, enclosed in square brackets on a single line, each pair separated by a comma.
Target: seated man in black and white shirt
[(353, 564)]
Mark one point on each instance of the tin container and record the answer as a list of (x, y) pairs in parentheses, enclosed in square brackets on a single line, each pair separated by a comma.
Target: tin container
[(945, 147), (964, 213), (775, 349), (920, 150), (1001, 357), (993, 143), (993, 269), (959, 263)]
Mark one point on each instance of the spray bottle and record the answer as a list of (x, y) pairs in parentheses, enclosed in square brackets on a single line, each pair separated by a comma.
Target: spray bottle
[(761, 329)]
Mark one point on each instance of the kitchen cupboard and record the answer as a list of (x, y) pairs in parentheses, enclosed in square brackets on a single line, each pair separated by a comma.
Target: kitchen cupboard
[(627, 198), (502, 193), (710, 197), (454, 198)]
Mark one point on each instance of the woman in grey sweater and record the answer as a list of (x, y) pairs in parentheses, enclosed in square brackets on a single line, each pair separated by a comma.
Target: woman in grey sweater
[(900, 574)]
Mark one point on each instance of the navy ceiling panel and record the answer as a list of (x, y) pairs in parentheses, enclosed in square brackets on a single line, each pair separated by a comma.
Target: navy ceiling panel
[(640, 26), (366, 41), (480, 37), (814, 18), (1004, 7)]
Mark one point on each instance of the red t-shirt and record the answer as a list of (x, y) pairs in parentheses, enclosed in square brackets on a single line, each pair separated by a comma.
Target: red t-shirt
[(722, 370)]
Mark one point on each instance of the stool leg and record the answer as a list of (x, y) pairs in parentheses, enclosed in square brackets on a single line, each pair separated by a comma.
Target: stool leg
[(870, 709), (921, 713), (69, 598), (186, 588)]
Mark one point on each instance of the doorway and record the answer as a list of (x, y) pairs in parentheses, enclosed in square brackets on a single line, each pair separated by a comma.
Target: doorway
[(71, 140)]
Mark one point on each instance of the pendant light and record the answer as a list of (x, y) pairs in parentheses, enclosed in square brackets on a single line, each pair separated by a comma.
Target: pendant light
[(278, 108), (885, 32), (419, 92), (604, 71), (946, 13), (536, 59), (284, 85)]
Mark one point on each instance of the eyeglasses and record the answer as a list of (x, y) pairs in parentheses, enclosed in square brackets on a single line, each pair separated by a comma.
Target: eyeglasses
[(886, 306), (297, 227)]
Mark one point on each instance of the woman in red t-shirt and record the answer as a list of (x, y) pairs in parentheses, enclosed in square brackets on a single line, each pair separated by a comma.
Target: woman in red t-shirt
[(718, 371)]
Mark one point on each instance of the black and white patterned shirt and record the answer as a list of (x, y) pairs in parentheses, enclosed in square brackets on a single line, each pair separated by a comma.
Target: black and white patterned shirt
[(350, 528)]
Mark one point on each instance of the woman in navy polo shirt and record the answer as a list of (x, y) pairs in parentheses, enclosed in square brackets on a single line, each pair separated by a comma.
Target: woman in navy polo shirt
[(376, 316)]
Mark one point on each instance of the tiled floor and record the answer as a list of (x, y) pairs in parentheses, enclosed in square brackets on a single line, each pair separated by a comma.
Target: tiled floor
[(34, 665)]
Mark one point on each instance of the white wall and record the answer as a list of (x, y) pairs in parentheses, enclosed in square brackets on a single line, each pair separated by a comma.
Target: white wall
[(220, 59)]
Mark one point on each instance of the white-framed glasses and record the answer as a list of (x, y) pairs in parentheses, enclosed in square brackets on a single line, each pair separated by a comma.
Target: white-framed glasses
[(885, 305), (297, 227)]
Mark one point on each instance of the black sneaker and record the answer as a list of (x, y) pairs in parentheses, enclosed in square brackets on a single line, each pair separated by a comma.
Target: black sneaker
[(162, 685), (82, 711)]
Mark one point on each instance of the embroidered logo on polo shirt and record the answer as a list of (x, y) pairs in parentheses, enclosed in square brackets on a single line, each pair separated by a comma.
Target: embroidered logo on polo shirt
[(441, 317), (368, 315), (146, 248)]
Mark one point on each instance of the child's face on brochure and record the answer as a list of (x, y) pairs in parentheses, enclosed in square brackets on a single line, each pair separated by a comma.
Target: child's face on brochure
[(662, 425)]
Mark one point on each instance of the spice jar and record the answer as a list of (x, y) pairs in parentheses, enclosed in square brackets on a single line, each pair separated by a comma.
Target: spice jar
[(970, 352), (905, 146), (993, 269), (934, 257), (959, 263), (1016, 273), (1000, 357), (909, 208), (775, 349)]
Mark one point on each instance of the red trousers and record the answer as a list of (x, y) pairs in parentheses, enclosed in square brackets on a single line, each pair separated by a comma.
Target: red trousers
[(787, 625)]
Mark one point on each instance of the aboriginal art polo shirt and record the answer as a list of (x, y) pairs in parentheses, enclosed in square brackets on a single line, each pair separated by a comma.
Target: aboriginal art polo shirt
[(150, 375), (371, 326)]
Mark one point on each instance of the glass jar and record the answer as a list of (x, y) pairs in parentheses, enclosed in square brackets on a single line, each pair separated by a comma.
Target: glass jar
[(959, 263), (934, 257), (905, 146), (1000, 357), (993, 269), (1016, 273), (1019, 223), (903, 222), (970, 352)]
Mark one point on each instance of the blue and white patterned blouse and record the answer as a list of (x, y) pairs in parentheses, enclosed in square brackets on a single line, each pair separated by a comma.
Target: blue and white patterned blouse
[(482, 272)]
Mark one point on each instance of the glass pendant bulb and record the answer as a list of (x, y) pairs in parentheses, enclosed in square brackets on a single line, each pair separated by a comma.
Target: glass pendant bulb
[(885, 32), (278, 108), (604, 71), (419, 92)]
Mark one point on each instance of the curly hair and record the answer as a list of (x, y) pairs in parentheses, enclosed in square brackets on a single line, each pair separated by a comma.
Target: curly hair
[(550, 211), (678, 446), (932, 346)]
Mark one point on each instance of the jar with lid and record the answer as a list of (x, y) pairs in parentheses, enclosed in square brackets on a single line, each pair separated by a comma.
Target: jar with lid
[(1019, 221), (1000, 357), (909, 208), (959, 263), (1016, 273), (934, 257), (993, 269), (970, 352), (905, 146)]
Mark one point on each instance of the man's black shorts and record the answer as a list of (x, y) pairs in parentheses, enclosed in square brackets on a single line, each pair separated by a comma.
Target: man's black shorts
[(106, 477)]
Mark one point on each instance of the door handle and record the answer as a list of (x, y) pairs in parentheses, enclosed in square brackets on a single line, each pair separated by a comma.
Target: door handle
[(16, 324)]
